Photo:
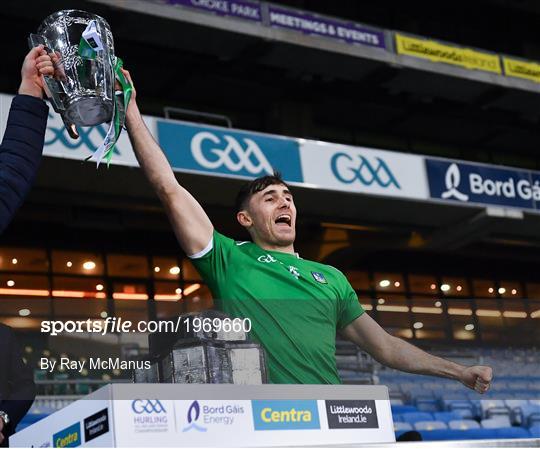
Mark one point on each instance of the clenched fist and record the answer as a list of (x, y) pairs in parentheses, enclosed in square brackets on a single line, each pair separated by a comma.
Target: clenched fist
[(477, 378)]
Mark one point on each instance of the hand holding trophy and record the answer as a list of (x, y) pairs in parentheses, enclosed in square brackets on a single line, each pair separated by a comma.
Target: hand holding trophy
[(82, 89)]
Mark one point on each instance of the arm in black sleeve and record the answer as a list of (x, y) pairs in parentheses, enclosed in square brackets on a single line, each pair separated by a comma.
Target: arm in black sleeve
[(20, 153), (21, 387)]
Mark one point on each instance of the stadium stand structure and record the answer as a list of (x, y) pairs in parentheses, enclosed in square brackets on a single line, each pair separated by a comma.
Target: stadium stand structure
[(443, 409)]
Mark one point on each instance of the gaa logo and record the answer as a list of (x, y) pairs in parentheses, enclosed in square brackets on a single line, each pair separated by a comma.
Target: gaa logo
[(229, 153), (140, 406), (266, 258), (90, 138), (348, 170), (149, 416)]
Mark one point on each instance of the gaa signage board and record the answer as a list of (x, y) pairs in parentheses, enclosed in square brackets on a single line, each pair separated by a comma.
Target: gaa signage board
[(161, 415), (228, 152), (363, 170)]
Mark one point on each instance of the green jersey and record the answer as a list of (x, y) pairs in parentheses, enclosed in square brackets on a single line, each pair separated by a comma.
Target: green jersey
[(295, 305)]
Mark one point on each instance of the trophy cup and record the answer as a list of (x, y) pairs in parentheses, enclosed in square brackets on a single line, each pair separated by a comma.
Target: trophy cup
[(82, 89)]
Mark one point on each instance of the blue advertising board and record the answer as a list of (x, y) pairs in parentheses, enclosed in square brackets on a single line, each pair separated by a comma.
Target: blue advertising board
[(229, 152), (474, 183)]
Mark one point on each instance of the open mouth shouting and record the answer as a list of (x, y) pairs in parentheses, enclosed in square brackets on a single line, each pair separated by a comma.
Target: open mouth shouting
[(283, 220)]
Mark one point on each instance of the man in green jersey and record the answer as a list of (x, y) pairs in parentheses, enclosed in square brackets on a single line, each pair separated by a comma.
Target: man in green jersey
[(295, 305)]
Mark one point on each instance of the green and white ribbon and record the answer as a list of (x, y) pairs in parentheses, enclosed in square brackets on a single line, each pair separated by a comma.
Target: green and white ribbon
[(121, 102), (89, 47)]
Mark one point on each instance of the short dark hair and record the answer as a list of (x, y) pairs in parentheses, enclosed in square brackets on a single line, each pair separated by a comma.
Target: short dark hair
[(252, 187)]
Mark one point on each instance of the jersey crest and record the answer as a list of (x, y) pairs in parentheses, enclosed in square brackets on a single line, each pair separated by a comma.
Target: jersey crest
[(319, 277)]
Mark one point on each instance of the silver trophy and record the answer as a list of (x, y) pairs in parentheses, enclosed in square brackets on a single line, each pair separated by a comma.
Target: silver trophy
[(82, 90)]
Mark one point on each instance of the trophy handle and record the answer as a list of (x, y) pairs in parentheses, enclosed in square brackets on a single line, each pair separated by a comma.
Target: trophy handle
[(52, 87)]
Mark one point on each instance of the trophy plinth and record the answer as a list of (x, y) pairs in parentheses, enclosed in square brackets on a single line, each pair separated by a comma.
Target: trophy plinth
[(214, 362), (200, 356), (146, 376)]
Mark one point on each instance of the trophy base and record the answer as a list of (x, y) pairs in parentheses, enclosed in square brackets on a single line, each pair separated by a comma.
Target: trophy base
[(89, 111)]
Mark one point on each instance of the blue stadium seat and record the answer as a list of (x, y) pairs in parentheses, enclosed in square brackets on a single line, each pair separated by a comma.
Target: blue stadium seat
[(465, 408), (499, 385), (535, 431), (399, 409), (533, 419), (447, 416), (453, 397), (512, 432), (426, 404), (463, 424), (515, 403), (518, 385), (496, 423), (399, 426), (412, 417), (448, 434), (528, 414), (430, 425), (492, 407), (464, 413), (420, 394)]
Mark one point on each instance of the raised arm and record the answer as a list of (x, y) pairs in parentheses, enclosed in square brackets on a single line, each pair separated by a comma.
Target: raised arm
[(22, 145), (397, 353), (191, 225)]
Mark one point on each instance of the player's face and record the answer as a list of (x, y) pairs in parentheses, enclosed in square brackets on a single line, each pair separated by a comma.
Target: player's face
[(273, 215)]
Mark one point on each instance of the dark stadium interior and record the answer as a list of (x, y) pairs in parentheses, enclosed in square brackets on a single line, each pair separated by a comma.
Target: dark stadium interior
[(281, 88), (461, 280), (291, 90), (503, 26), (277, 87)]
